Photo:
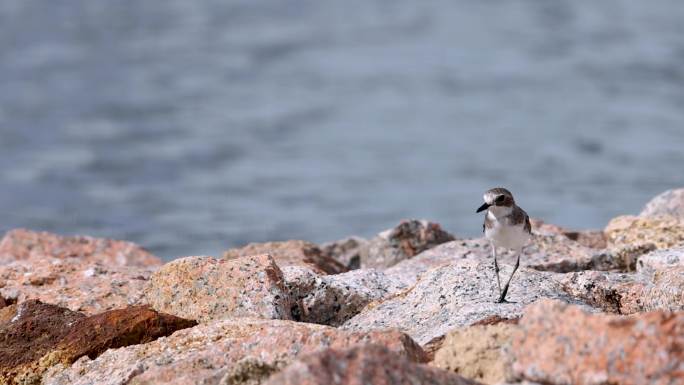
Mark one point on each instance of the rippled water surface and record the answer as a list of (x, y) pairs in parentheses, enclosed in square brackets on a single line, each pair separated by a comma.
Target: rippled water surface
[(192, 126)]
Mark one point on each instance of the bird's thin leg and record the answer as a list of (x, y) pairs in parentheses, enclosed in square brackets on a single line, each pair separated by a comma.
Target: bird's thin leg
[(502, 297), (496, 267)]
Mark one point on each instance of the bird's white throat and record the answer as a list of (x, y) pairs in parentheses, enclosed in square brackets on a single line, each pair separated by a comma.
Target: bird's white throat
[(499, 211)]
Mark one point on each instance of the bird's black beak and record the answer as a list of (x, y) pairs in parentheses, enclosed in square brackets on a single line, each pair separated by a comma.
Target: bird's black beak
[(484, 206)]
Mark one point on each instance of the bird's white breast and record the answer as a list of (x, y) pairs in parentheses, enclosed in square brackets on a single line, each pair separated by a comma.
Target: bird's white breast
[(505, 235)]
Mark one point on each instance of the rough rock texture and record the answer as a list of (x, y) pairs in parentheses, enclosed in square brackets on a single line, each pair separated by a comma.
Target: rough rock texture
[(80, 285), (27, 332), (559, 343), (627, 293), (670, 202), (555, 253), (39, 336), (595, 239), (663, 232), (219, 351), (21, 244), (360, 365), (346, 251), (333, 299), (476, 352), (404, 241), (205, 288), (661, 260), (291, 253), (455, 295)]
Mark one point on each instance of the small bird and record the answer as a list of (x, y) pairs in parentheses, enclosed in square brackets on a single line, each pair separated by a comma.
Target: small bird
[(506, 225)]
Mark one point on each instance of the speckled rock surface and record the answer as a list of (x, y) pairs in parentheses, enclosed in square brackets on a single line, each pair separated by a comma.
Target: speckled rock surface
[(39, 336), (407, 239), (557, 343), (291, 253), (659, 260), (370, 364), (21, 244), (346, 251), (207, 354), (205, 288), (453, 296), (333, 299), (670, 202), (80, 285), (663, 231), (476, 352), (627, 293)]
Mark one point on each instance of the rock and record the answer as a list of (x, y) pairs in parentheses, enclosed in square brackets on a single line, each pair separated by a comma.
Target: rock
[(291, 253), (370, 364), (670, 203), (333, 299), (28, 331), (346, 251), (661, 260), (453, 296), (404, 241), (221, 351), (476, 352), (21, 244), (205, 288), (80, 285), (594, 239), (663, 232), (625, 293), (558, 343), (39, 336)]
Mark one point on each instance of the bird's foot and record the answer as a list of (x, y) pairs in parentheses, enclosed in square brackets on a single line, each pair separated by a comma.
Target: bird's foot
[(503, 300)]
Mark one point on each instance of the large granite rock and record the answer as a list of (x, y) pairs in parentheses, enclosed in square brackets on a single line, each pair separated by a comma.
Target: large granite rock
[(477, 352), (558, 343), (670, 203), (205, 288), (409, 238), (38, 336), (664, 231), (627, 293), (78, 284), (291, 253), (21, 244), (333, 299), (369, 364), (455, 295), (226, 351)]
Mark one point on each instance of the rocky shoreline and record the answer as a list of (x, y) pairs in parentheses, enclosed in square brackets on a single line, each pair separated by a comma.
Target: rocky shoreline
[(413, 305)]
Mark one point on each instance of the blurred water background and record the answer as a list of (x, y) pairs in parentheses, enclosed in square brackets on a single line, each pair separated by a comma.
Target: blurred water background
[(193, 126)]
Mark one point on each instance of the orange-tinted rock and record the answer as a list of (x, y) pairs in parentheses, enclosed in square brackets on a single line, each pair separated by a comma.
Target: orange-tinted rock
[(28, 331), (557, 343), (291, 253), (369, 364), (595, 239), (407, 239), (205, 288), (662, 231), (92, 336), (21, 244), (39, 336), (80, 285), (346, 251), (214, 352)]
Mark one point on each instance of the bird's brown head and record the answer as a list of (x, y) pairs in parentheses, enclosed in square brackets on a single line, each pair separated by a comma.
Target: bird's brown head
[(497, 196)]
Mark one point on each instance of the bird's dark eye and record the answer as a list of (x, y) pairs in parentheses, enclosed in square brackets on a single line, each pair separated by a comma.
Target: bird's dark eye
[(500, 199)]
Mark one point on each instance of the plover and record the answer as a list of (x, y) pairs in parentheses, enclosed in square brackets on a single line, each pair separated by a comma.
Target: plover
[(506, 225)]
